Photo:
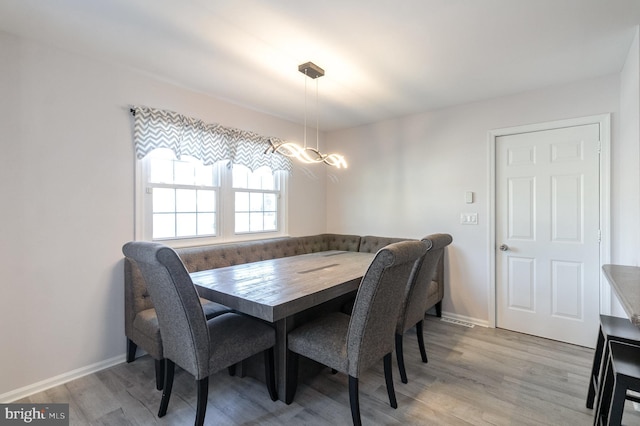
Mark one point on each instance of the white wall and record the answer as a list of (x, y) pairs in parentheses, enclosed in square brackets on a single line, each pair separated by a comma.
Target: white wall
[(407, 176), (66, 191), (626, 195)]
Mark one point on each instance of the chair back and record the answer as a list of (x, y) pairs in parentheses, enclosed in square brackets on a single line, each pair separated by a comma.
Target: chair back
[(373, 319), (183, 327), (414, 306)]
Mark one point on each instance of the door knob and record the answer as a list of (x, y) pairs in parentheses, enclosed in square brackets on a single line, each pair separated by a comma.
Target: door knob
[(504, 247)]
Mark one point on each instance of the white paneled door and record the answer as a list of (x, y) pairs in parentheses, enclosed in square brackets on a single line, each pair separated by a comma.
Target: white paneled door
[(547, 233)]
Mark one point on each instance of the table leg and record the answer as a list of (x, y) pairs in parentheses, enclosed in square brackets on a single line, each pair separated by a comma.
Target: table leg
[(281, 327)]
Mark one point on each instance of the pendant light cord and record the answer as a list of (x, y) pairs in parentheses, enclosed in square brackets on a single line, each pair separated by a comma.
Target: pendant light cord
[(317, 121), (316, 111), (306, 77)]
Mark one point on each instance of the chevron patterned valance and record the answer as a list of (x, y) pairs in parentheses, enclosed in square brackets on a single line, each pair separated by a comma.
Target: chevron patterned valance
[(154, 128)]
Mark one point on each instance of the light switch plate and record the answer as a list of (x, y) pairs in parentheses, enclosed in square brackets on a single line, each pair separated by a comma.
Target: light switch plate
[(468, 197), (469, 218)]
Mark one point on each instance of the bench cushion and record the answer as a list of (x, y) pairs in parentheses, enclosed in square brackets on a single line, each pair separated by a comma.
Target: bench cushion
[(371, 243)]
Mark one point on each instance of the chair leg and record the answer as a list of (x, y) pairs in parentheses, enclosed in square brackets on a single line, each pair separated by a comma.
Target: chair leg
[(605, 393), (168, 385), (419, 333), (439, 309), (160, 363), (354, 400), (203, 394), (617, 402), (388, 377), (292, 376), (595, 370), (400, 357), (269, 373), (131, 350)]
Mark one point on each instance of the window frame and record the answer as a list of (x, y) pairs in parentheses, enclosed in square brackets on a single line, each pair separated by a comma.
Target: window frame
[(225, 209)]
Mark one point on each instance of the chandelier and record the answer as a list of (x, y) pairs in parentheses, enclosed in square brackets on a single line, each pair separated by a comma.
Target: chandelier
[(308, 154)]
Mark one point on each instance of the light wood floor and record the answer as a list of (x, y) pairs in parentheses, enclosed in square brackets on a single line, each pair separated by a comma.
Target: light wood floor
[(475, 376)]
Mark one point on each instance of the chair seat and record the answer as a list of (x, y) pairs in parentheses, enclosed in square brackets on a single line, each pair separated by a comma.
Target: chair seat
[(234, 337), (620, 328), (213, 309), (432, 289), (146, 322), (626, 361), (323, 340)]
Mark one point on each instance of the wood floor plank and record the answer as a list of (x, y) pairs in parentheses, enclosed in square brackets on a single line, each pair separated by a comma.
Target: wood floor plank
[(475, 376)]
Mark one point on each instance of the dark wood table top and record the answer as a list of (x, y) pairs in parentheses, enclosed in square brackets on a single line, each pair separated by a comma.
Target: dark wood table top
[(275, 289), (625, 282)]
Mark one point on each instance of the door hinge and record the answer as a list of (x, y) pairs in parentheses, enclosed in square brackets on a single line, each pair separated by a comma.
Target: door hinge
[(599, 236), (599, 148)]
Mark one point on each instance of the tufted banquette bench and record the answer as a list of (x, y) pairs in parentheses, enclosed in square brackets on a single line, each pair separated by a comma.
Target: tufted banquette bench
[(141, 325)]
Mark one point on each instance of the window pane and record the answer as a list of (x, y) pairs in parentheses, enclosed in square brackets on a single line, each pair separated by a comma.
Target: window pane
[(206, 201), (268, 178), (242, 222), (185, 224), (261, 179), (270, 222), (206, 176), (185, 200), (206, 224), (270, 202), (240, 176), (255, 202), (255, 180), (268, 182), (255, 222), (242, 202), (262, 208), (163, 200), (185, 173), (161, 170), (164, 225)]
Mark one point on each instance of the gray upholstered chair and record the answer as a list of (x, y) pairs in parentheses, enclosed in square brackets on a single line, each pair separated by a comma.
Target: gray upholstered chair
[(197, 345), (414, 305), (351, 344), (141, 321)]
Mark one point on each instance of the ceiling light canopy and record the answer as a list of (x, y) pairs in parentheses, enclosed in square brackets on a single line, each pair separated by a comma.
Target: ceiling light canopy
[(307, 154)]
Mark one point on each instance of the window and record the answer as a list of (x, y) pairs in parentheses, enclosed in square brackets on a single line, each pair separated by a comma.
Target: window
[(183, 200), (256, 200)]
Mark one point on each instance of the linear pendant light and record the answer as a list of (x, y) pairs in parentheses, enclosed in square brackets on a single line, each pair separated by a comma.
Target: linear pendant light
[(307, 154)]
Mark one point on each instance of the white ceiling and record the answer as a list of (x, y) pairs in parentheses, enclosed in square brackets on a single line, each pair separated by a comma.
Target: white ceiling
[(383, 58)]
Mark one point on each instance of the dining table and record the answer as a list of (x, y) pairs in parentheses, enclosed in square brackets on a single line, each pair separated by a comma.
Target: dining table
[(286, 291), (625, 283)]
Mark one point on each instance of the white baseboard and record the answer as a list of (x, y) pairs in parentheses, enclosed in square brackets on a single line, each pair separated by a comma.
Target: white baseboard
[(59, 380), (455, 317)]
